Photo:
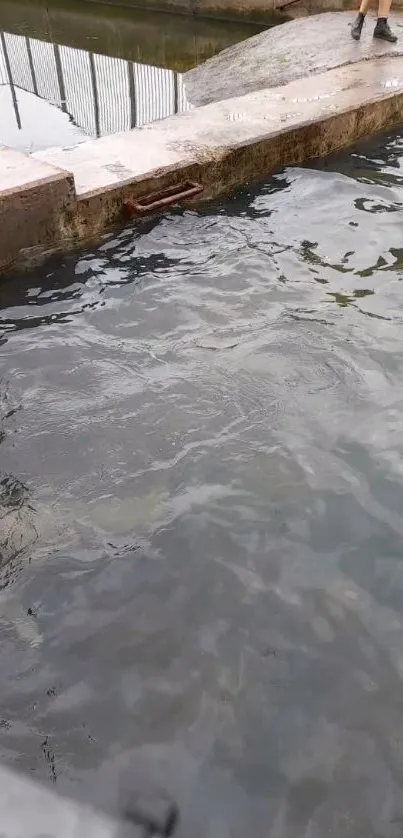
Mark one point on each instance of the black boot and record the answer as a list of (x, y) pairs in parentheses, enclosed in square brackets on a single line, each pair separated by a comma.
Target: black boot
[(356, 28), (383, 31)]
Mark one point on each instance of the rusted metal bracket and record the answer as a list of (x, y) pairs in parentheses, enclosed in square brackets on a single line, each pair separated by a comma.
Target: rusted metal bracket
[(164, 198)]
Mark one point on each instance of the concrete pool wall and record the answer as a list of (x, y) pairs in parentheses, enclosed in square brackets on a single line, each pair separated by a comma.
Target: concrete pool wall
[(58, 198), (258, 11)]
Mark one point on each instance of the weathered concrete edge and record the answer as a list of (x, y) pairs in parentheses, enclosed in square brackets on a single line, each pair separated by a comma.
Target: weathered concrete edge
[(219, 170), (59, 176), (32, 215), (223, 170)]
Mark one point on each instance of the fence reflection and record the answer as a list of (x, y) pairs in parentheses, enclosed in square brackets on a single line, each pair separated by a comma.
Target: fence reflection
[(101, 94)]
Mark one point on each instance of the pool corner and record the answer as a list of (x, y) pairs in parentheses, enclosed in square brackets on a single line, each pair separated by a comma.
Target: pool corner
[(34, 199)]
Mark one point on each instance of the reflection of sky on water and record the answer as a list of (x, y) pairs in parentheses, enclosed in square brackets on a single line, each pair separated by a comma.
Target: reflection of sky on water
[(42, 124)]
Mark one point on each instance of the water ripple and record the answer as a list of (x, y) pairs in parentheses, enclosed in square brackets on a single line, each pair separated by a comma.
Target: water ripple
[(201, 420)]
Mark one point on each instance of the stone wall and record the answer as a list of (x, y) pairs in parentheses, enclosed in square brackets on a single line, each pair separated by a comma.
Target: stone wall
[(263, 12)]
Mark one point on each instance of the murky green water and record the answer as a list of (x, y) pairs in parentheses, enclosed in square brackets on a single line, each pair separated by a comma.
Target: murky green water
[(202, 441), (78, 69)]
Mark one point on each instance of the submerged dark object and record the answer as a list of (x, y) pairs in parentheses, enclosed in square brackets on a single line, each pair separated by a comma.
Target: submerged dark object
[(163, 823), (145, 804)]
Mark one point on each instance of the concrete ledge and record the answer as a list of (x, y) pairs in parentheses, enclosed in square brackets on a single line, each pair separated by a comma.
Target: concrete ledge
[(222, 146), (33, 199)]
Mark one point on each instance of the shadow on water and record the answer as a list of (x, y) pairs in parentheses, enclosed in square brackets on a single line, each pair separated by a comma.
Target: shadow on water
[(375, 161), (68, 289), (211, 418), (17, 528)]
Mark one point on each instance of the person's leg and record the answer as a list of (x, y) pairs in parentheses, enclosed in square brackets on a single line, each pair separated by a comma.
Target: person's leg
[(384, 8), (356, 28), (382, 28)]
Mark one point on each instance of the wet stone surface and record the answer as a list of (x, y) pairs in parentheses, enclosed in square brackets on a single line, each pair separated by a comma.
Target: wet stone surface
[(298, 49)]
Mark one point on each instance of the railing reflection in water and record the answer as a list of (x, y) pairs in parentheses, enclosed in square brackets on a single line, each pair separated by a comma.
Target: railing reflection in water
[(102, 95)]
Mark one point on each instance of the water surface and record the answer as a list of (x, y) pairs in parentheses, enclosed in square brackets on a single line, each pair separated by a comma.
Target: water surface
[(78, 69), (202, 436)]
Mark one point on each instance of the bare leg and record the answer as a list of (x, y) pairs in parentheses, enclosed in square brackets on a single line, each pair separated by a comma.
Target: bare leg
[(384, 8)]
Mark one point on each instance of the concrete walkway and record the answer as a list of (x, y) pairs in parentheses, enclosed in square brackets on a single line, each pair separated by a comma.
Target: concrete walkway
[(61, 196), (277, 56)]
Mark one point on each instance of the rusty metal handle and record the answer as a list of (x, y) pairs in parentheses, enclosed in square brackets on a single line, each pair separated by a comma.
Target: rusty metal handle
[(164, 198)]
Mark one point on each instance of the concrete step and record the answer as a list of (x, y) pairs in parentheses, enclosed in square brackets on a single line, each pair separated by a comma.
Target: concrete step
[(34, 199)]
